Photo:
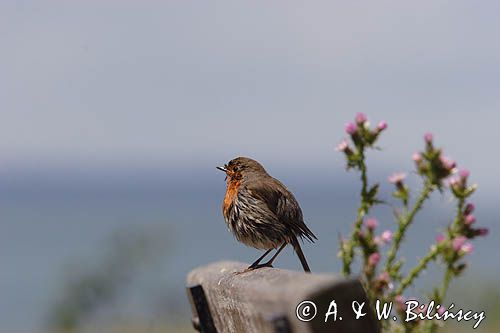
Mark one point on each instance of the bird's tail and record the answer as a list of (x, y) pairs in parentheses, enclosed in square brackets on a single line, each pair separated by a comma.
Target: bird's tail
[(300, 254)]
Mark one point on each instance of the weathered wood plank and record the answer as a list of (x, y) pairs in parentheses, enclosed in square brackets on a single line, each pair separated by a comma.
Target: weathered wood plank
[(265, 300)]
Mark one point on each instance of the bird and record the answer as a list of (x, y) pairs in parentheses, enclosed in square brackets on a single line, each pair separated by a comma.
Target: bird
[(261, 212)]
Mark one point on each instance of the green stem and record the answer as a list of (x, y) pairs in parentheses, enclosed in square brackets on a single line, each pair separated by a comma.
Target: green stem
[(413, 274), (348, 252), (458, 217), (404, 224), (364, 176), (448, 274)]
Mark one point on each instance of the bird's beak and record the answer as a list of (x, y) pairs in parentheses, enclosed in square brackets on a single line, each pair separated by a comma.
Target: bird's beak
[(221, 168)]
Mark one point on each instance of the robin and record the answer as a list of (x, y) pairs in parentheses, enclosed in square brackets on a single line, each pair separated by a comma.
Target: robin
[(261, 212)]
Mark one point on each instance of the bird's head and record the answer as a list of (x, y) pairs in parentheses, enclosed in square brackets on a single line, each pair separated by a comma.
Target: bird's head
[(242, 167)]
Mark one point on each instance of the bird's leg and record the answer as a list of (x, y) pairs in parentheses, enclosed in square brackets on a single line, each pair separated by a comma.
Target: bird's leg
[(270, 262), (256, 263)]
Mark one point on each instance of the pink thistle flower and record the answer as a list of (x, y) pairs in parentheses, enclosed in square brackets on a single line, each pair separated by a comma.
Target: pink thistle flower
[(371, 223), (397, 178), (483, 231), (381, 126), (399, 299), (470, 219), (428, 137), (448, 163), (342, 146), (374, 259), (386, 236), (384, 276), (453, 181), (417, 157), (350, 128), (469, 208), (423, 309), (458, 242), (467, 248), (440, 309), (464, 173), (440, 238), (400, 302), (360, 118)]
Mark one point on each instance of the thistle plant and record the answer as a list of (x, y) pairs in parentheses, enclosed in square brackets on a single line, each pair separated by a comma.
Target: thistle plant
[(385, 277)]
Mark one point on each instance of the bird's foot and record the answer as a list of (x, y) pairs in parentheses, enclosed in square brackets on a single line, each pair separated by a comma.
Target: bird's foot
[(267, 264), (254, 267)]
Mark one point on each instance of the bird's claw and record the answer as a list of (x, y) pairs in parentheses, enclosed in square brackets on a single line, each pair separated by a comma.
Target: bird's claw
[(262, 265), (251, 268)]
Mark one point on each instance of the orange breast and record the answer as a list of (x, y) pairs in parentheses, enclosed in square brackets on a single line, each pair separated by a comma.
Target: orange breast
[(231, 193)]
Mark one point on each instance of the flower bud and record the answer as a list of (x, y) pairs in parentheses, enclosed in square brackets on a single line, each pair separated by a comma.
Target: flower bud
[(440, 238), (470, 219), (469, 208), (350, 128), (467, 248), (360, 118), (384, 276), (483, 231), (458, 242), (400, 302), (417, 157), (371, 223), (447, 163), (453, 181), (386, 236), (440, 309), (381, 126), (464, 174), (397, 178), (428, 138), (373, 259), (342, 146)]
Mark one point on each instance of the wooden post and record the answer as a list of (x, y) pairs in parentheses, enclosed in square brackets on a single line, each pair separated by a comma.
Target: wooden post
[(266, 300)]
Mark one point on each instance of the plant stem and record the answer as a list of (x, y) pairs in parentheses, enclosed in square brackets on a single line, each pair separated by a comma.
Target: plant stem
[(408, 280), (448, 274), (458, 217), (364, 176), (446, 283), (432, 325), (403, 225), (348, 252)]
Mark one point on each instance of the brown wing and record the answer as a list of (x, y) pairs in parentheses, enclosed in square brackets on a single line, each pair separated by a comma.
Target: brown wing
[(282, 203)]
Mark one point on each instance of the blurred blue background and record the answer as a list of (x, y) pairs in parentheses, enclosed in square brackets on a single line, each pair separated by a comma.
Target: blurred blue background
[(114, 115)]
